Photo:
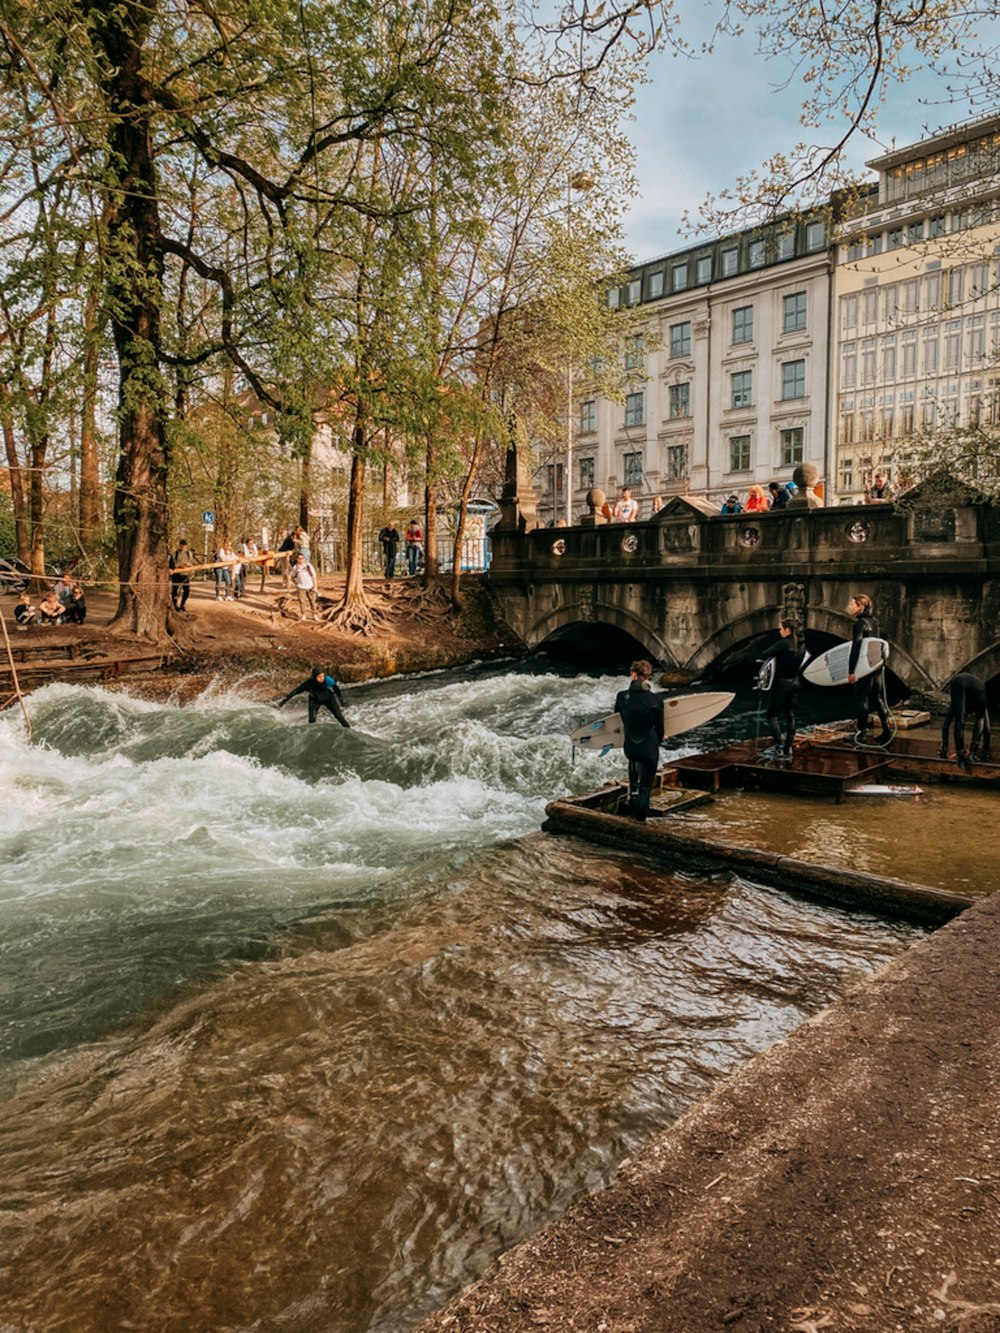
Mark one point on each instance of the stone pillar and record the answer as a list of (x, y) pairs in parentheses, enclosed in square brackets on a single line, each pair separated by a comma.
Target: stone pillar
[(595, 503), (805, 477), (518, 499)]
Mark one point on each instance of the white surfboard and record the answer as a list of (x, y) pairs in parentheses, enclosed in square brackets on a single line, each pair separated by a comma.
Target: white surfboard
[(830, 668), (886, 789), (681, 713)]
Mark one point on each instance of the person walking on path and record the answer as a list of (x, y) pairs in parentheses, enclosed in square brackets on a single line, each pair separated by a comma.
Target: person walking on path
[(968, 695), (414, 545), (304, 577), (323, 692), (783, 692), (641, 712), (389, 541), (286, 547), (180, 578), (869, 693)]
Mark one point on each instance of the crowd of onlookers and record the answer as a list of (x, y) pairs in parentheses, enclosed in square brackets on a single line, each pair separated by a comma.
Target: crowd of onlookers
[(65, 603), (757, 500)]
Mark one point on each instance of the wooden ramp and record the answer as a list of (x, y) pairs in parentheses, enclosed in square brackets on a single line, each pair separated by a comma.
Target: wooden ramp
[(913, 757), (73, 664)]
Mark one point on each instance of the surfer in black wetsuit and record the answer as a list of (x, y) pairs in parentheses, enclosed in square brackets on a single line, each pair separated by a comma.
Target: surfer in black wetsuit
[(788, 661), (869, 693), (968, 695), (323, 692), (641, 712)]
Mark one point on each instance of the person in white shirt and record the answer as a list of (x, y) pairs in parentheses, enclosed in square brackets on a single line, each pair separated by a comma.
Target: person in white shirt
[(627, 509), (304, 577)]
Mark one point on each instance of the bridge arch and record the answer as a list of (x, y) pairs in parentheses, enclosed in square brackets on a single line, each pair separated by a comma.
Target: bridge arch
[(564, 617)]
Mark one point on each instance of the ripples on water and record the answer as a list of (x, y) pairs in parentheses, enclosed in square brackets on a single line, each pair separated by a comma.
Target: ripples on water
[(306, 1030)]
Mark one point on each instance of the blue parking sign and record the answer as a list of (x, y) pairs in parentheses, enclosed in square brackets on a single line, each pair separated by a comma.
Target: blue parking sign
[(208, 516)]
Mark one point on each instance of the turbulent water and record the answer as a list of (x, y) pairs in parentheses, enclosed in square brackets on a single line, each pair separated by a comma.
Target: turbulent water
[(300, 1027)]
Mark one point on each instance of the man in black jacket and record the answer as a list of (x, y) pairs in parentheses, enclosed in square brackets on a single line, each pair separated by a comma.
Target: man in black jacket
[(641, 712), (968, 696), (323, 692)]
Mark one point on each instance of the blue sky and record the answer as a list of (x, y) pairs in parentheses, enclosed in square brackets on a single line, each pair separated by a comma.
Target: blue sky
[(699, 124)]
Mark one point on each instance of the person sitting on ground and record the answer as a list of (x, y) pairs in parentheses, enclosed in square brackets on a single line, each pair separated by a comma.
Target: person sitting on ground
[(50, 609), (323, 692), (731, 506), (783, 691), (64, 588), (869, 692), (25, 612), (627, 509), (968, 695), (779, 495), (879, 492), (304, 577), (757, 501), (76, 607), (641, 712)]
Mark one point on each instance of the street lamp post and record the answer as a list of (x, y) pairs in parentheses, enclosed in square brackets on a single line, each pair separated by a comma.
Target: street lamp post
[(580, 181)]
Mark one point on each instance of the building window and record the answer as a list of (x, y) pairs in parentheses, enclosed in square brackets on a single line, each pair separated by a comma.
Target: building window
[(868, 361), (730, 263), (847, 474), (632, 470), (869, 306), (815, 235), (679, 277), (677, 465), (743, 324), (755, 254), (888, 359), (614, 298), (656, 285), (792, 451), (849, 311), (633, 291), (848, 365), (634, 352), (635, 413), (679, 396), (588, 416), (586, 474), (739, 453), (794, 312), (704, 268), (894, 239), (680, 339), (938, 225), (786, 245), (793, 379), (742, 388)]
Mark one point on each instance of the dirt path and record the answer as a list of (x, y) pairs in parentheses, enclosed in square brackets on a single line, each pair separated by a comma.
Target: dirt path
[(847, 1179)]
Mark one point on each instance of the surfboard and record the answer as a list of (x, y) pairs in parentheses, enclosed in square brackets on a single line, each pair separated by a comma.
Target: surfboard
[(886, 789), (830, 668), (681, 713)]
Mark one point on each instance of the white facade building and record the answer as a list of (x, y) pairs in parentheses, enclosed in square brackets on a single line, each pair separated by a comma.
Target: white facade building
[(917, 305)]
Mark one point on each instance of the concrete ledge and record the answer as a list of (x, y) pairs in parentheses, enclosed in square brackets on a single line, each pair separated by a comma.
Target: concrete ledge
[(848, 1178)]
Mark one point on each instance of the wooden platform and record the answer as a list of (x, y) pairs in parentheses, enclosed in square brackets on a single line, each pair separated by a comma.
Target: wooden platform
[(828, 770), (913, 757), (73, 663)]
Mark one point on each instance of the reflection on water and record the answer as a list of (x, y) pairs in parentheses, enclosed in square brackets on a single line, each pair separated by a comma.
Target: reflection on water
[(324, 1031)]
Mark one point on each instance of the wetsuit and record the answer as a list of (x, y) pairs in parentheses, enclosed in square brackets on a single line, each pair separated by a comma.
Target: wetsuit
[(869, 693), (968, 695), (641, 712), (323, 693), (784, 691)]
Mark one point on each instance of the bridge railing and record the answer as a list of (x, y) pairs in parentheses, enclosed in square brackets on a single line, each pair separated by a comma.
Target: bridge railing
[(861, 535)]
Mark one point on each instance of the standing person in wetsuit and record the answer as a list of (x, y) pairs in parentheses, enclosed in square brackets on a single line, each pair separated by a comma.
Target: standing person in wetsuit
[(323, 692), (968, 695), (869, 693), (641, 712), (788, 661)]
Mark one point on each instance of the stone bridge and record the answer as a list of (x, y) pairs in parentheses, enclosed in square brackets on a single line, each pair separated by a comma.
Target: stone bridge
[(695, 588)]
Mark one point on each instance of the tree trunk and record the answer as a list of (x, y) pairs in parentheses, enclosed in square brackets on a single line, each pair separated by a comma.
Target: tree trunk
[(467, 485), (90, 479), (430, 513), (354, 590), (136, 265), (22, 530)]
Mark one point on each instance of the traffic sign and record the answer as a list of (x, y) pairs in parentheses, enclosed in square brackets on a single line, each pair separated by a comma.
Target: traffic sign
[(208, 518)]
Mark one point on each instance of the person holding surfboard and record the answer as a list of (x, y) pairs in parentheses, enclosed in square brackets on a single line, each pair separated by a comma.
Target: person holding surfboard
[(869, 691), (788, 659), (641, 712)]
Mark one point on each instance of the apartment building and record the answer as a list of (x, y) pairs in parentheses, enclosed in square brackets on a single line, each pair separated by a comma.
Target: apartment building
[(916, 300), (727, 384)]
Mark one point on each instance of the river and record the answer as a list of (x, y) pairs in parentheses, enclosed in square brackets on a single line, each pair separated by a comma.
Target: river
[(300, 1027)]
